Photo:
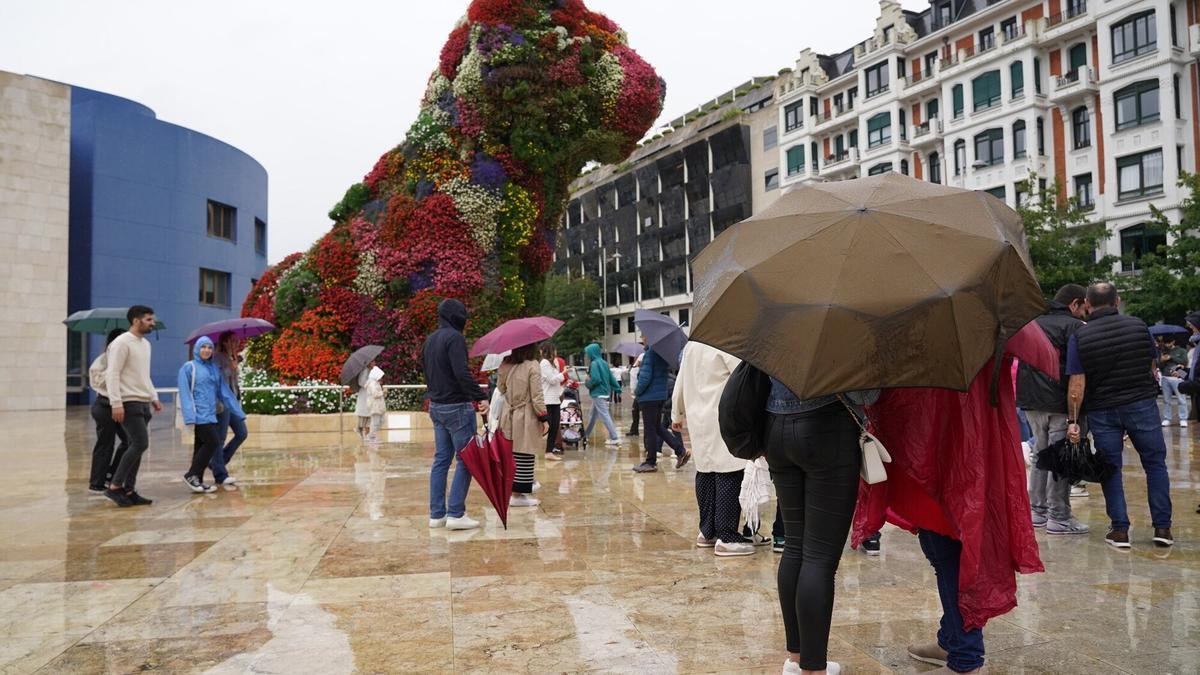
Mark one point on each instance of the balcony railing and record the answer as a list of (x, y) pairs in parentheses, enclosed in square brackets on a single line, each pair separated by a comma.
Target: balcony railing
[(1074, 9), (838, 159), (933, 126), (1010, 36), (948, 62)]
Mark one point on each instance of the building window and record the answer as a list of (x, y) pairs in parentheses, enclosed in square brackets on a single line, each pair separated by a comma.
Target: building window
[(1018, 139), (989, 147), (960, 157), (887, 34), (943, 15), (772, 180), (854, 138), (904, 166), (1016, 72), (1175, 90), (770, 137), (1081, 127), (1041, 137), (997, 192), (260, 236), (879, 130), (877, 79), (684, 317), (813, 104), (931, 110), (222, 221), (935, 168), (1137, 104), (795, 160), (987, 39), (985, 90), (903, 124), (839, 103), (792, 119), (1037, 75), (839, 147), (930, 60), (812, 155), (956, 94), (214, 288), (851, 94), (1021, 190), (1136, 242), (1009, 28), (630, 326), (616, 326), (879, 168), (1140, 175), (1174, 29), (1083, 191), (1077, 59), (1134, 36)]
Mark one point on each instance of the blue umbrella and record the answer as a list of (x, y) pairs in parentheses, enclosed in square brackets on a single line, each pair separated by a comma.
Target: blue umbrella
[(1167, 329), (663, 335)]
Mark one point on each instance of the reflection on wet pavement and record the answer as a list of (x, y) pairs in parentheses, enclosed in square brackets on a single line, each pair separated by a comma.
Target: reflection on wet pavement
[(321, 561)]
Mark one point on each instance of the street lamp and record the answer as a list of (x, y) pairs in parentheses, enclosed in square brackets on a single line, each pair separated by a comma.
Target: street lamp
[(604, 260)]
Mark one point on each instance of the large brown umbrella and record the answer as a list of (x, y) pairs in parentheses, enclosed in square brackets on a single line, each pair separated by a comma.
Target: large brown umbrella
[(877, 282)]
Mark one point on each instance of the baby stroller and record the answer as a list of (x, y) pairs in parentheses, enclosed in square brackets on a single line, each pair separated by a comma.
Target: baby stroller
[(570, 425)]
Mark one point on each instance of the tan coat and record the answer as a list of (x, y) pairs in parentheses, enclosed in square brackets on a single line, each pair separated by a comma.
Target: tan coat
[(521, 386), (698, 387)]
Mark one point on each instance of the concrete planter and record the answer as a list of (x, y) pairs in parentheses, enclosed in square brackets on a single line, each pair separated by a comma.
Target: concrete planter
[(284, 430)]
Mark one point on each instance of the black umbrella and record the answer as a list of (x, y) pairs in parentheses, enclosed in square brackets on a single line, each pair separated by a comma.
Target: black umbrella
[(662, 334), (356, 363), (1074, 462)]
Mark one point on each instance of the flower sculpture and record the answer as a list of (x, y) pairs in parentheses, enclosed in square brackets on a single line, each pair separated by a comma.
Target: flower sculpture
[(526, 92)]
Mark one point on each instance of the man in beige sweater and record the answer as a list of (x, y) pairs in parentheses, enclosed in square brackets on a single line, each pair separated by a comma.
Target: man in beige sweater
[(132, 396)]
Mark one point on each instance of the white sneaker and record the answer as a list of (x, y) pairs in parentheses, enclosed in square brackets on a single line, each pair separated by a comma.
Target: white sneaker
[(790, 667), (463, 522), (757, 539), (704, 542), (1166, 423), (435, 523), (1183, 423), (1078, 491), (735, 548), (536, 486), (613, 442), (523, 500), (229, 480)]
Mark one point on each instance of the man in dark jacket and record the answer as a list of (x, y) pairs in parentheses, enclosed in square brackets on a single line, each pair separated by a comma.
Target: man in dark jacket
[(1111, 364), (453, 396), (1044, 401), (651, 393)]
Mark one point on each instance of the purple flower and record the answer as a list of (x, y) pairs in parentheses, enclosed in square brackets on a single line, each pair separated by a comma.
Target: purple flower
[(488, 173), (424, 189)]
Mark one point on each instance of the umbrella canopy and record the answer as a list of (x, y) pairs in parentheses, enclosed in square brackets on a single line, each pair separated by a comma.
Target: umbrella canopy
[(884, 281), (1167, 329), (489, 460), (630, 349), (663, 335), (245, 327), (492, 361), (356, 363), (516, 333), (101, 320)]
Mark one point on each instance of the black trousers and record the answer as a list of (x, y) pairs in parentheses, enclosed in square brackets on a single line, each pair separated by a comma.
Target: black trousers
[(814, 459), (654, 434), (554, 412), (637, 411), (207, 440), (137, 419), (720, 512), (104, 459)]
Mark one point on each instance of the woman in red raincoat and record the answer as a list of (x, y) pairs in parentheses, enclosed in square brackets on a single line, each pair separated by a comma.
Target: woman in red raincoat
[(957, 479)]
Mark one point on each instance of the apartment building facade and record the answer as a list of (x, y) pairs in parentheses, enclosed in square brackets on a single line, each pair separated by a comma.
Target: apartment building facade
[(1097, 97)]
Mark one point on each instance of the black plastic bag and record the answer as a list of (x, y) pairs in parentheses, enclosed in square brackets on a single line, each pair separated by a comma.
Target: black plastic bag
[(1074, 462), (742, 413)]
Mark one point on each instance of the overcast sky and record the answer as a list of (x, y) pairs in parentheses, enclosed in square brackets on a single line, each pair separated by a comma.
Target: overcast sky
[(317, 91)]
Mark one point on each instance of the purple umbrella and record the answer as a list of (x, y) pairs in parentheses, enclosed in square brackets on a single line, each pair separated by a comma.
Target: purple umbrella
[(516, 333), (245, 327), (630, 349)]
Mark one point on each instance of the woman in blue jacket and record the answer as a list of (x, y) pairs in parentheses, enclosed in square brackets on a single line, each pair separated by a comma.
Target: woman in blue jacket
[(651, 394), (203, 395)]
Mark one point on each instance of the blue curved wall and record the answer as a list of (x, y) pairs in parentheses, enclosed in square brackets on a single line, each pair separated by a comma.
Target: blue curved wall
[(139, 215)]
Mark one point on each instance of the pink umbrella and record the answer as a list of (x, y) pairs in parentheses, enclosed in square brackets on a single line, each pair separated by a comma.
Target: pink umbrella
[(244, 327), (516, 333)]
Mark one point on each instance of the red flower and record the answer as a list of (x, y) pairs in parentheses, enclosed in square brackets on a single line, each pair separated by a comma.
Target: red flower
[(509, 12), (260, 302), (333, 259), (311, 347), (640, 100), (454, 50)]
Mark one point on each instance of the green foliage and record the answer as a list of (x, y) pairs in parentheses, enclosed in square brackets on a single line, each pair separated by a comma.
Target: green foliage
[(1168, 286), (298, 290), (264, 402), (1062, 243), (406, 400), (574, 301), (354, 199), (731, 114)]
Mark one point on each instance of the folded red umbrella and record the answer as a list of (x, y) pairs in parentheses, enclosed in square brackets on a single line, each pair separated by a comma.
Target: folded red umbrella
[(490, 462), (516, 333)]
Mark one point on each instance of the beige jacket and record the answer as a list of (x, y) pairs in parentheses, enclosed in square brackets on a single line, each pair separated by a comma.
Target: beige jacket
[(698, 387), (525, 408)]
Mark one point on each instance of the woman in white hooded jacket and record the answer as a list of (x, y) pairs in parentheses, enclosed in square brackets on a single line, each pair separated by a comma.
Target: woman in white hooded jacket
[(702, 376)]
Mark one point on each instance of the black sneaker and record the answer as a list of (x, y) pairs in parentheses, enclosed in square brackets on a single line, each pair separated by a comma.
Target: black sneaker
[(870, 545), (195, 485), (96, 489), (118, 497), (646, 467), (632, 433), (777, 544), (138, 500)]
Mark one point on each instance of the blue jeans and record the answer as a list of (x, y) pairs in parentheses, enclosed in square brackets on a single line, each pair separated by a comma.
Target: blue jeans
[(453, 427), (221, 456), (1170, 390), (965, 647), (600, 409), (1141, 421)]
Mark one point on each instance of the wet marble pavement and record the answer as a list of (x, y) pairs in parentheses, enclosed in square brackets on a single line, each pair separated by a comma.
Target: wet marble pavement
[(321, 562)]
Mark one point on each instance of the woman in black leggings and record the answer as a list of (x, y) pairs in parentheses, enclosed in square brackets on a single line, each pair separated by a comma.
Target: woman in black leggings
[(813, 451)]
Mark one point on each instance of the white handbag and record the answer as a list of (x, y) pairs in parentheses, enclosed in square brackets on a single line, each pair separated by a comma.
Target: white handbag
[(874, 455)]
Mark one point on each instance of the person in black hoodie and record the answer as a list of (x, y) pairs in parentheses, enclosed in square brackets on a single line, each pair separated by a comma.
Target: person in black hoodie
[(454, 396), (1044, 401)]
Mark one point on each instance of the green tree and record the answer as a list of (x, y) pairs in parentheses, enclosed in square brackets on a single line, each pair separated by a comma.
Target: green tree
[(1168, 285), (574, 301), (1062, 241)]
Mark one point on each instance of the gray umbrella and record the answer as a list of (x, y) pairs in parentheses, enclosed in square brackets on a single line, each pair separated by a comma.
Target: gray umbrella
[(630, 349), (356, 363), (662, 334)]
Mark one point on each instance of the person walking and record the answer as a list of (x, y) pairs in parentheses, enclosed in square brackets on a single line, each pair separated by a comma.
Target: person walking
[(362, 402), (1111, 365), (203, 394), (133, 399), (651, 393), (376, 403), (453, 398), (1044, 400), (698, 387), (104, 459), (524, 420), (227, 359), (601, 384), (632, 379), (553, 379), (1173, 365)]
